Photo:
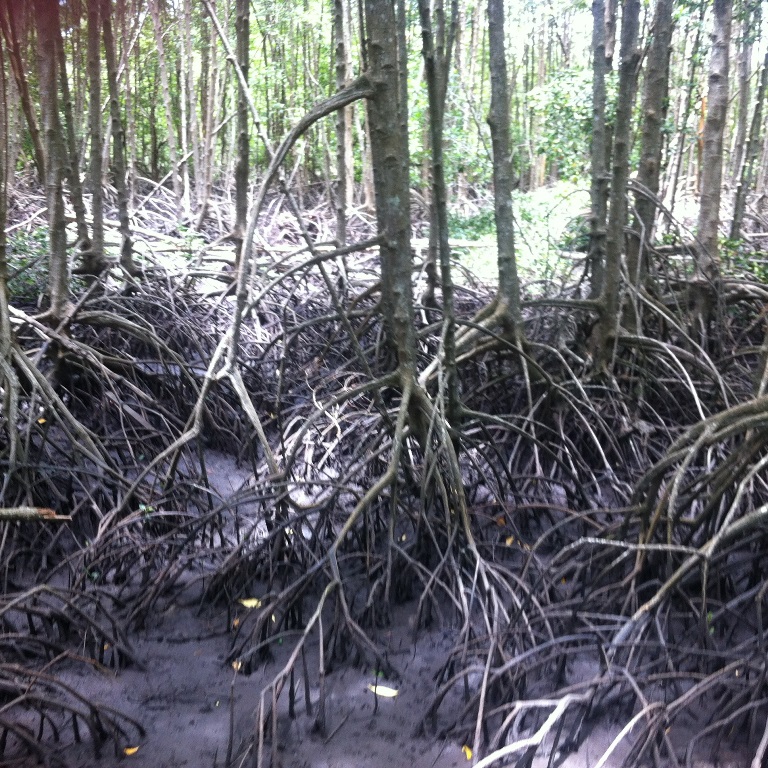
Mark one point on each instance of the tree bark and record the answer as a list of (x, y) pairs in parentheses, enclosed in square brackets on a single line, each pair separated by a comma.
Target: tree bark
[(242, 40), (388, 115), (118, 142), (599, 153), (617, 214), (750, 21), (674, 168), (437, 61), (344, 156), (704, 285), (165, 87), (498, 120), (10, 27), (47, 19), (96, 261), (747, 171), (654, 110)]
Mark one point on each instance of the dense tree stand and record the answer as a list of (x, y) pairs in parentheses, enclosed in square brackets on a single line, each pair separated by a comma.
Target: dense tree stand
[(544, 540)]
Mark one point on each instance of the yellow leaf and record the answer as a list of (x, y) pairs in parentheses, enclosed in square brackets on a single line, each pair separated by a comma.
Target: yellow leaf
[(235, 622), (403, 537), (383, 690), (250, 602), (130, 751), (501, 521), (236, 664), (467, 752), (510, 540), (273, 618), (106, 646), (41, 420)]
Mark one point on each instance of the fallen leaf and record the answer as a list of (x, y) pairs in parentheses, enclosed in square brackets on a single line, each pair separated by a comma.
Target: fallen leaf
[(510, 540), (467, 752), (130, 751), (501, 521), (237, 664), (250, 602), (41, 420), (383, 690), (235, 623)]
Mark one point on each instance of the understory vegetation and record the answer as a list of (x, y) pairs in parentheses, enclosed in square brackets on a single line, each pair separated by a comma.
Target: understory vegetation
[(617, 526)]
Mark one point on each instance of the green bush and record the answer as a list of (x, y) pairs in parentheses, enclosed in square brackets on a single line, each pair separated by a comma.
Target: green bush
[(472, 227), (27, 254)]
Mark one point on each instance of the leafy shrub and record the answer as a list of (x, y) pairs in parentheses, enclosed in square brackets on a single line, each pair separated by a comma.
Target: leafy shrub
[(472, 227), (27, 254)]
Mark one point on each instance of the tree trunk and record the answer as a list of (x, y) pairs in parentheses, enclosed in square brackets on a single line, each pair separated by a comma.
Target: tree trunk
[(387, 115), (674, 168), (437, 61), (118, 142), (173, 153), (242, 44), (750, 21), (599, 153), (654, 109), (10, 27), (617, 214), (344, 156), (704, 285), (5, 320), (96, 262), (747, 171), (498, 120), (71, 159), (47, 19)]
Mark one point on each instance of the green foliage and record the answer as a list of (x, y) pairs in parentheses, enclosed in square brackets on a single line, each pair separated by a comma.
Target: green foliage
[(473, 226), (736, 255), (575, 235), (564, 105), (27, 264)]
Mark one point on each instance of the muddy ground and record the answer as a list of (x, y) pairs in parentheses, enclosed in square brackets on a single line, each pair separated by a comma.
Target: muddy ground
[(196, 708)]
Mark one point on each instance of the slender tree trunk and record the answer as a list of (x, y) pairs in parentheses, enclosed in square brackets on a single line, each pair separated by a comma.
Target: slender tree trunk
[(705, 281), (118, 142), (97, 260), (654, 109), (673, 175), (747, 171), (498, 120), (437, 62), (193, 131), (184, 82), (71, 158), (5, 320), (10, 26), (750, 21), (47, 18), (712, 156), (344, 156), (599, 153), (209, 97), (165, 86), (617, 214), (242, 44)]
